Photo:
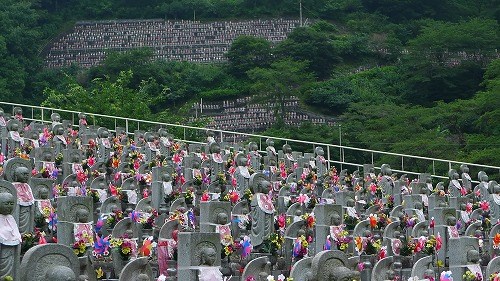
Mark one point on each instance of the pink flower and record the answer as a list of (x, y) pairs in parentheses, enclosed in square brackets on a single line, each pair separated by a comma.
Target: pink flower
[(373, 188), (361, 266), (439, 242), (468, 207), (484, 205), (91, 161), (205, 197)]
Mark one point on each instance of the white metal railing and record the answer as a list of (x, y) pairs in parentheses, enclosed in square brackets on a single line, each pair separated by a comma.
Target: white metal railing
[(344, 156)]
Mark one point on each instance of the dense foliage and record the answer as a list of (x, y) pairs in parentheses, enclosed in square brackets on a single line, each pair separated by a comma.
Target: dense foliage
[(416, 77)]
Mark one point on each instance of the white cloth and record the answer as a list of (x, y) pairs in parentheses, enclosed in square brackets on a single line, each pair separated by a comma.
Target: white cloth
[(167, 187), (209, 273), (244, 171), (132, 196), (9, 231)]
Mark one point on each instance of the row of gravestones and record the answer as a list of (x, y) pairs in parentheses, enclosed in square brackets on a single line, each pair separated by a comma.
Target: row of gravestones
[(256, 236)]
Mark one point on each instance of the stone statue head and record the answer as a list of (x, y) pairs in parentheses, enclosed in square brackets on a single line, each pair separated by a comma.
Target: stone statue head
[(464, 168), (252, 146), (7, 203), (43, 192), (440, 186), (350, 202), (287, 148), (47, 155), (208, 256), (214, 148), (482, 176), (298, 213), (453, 175), (58, 130), (319, 151), (55, 117), (418, 205), (166, 177), (82, 115), (263, 186), (270, 142), (82, 215), (196, 163), (473, 256), (103, 132), (386, 170), (222, 218), (18, 111), (336, 219), (450, 220), (60, 273), (21, 174)]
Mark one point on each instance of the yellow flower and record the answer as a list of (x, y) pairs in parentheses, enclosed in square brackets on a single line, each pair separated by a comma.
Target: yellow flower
[(99, 272), (126, 250)]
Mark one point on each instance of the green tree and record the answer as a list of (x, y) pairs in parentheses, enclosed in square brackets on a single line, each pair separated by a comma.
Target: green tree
[(276, 84), (312, 45), (104, 96), (248, 52)]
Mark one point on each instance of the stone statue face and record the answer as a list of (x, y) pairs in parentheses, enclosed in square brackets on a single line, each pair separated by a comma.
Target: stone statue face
[(22, 174), (336, 220), (56, 117), (270, 142), (418, 205), (386, 170), (320, 152), (7, 203), (208, 256), (60, 273), (166, 177), (82, 216), (350, 202), (215, 148), (484, 177), (43, 193), (104, 134), (221, 218), (47, 156), (18, 111), (473, 256), (451, 220), (14, 127)]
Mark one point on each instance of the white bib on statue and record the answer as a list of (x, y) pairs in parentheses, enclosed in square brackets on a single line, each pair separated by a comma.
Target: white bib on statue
[(9, 232)]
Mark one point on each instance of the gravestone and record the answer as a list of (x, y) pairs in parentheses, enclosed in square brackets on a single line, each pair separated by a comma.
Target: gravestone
[(50, 262), (75, 222), (201, 251)]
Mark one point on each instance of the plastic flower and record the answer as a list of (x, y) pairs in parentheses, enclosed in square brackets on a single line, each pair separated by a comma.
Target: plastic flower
[(373, 221), (484, 205), (99, 272), (496, 241), (446, 276), (205, 197), (439, 242), (234, 197)]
